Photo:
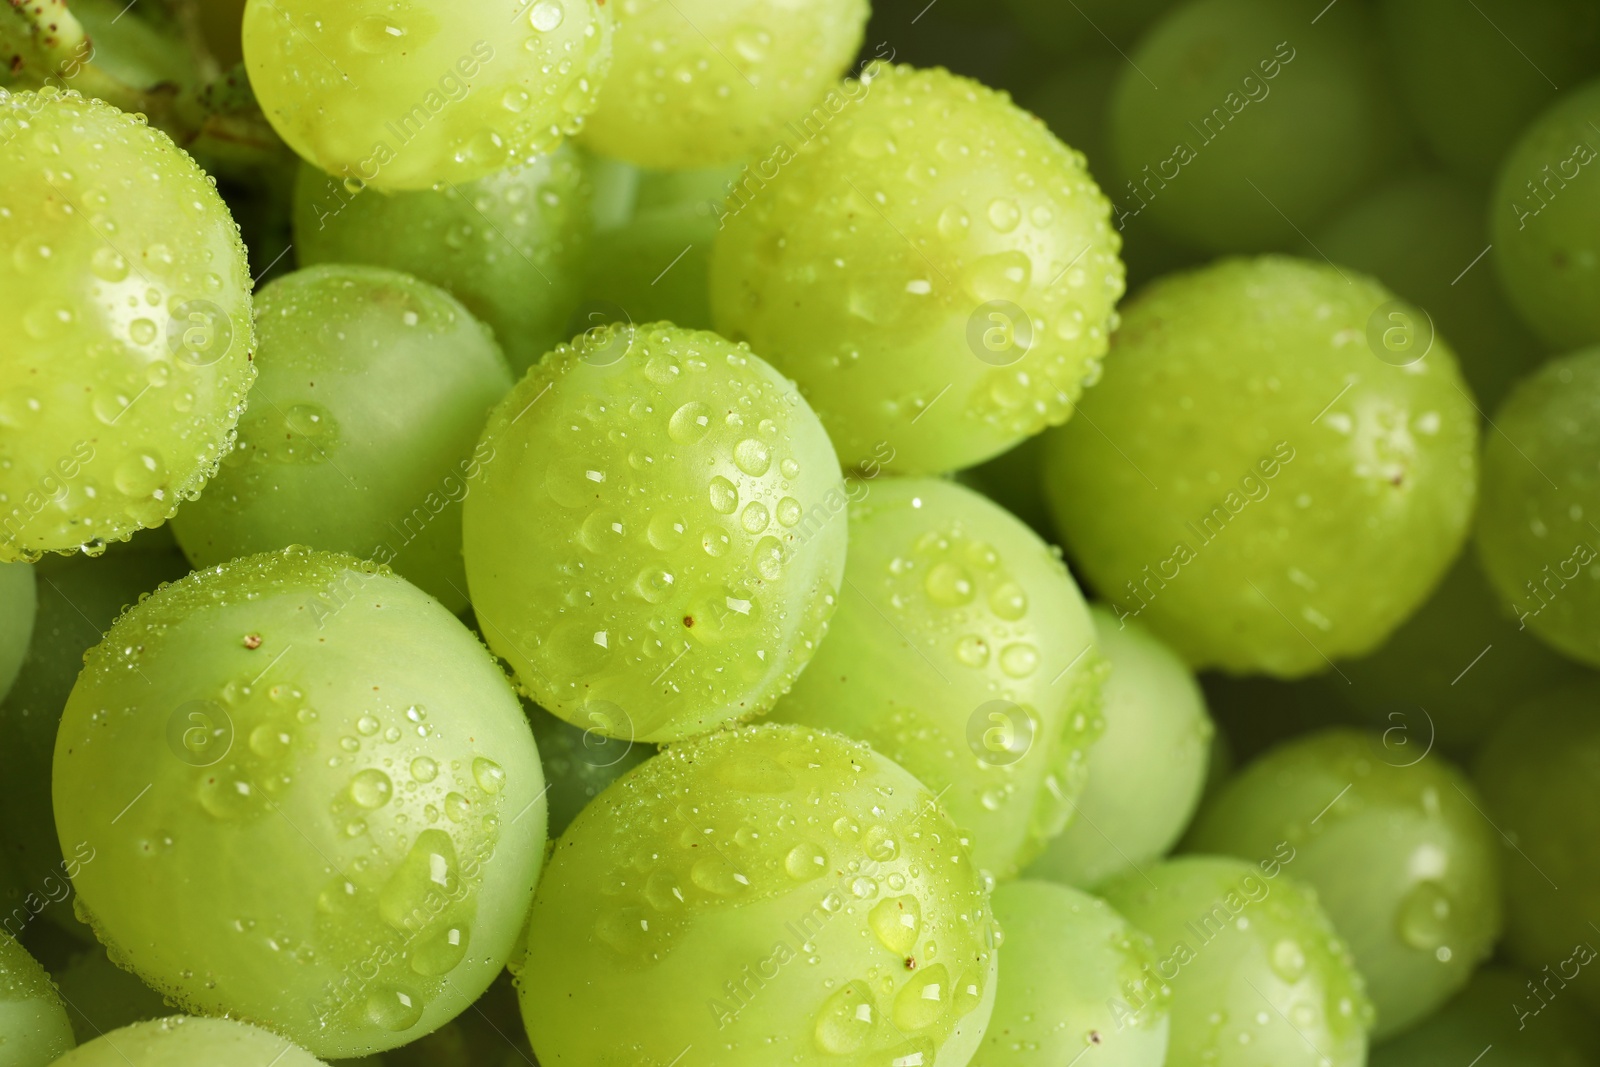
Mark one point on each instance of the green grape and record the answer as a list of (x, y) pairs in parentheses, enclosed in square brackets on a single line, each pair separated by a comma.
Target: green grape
[(1479, 1020), (1258, 411), (1538, 484), (1422, 236), (765, 894), (1257, 974), (651, 548), (579, 764), (1396, 847), (128, 302), (1145, 773), (933, 239), (1067, 26), (361, 432), (184, 1041), (1545, 216), (18, 604), (132, 50), (963, 651), (100, 996), (1236, 124), (34, 1030), (697, 83), (326, 775), (1066, 958), (1474, 75), (429, 93), (510, 246)]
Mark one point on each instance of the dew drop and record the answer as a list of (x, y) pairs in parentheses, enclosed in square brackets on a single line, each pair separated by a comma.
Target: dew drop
[(371, 788)]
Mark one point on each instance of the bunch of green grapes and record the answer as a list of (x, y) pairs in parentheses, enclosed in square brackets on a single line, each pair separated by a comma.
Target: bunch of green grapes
[(330, 780), (1257, 412), (1396, 847), (34, 1029), (698, 83), (934, 268), (1258, 977), (1065, 963), (362, 429), (184, 1041), (1526, 1025), (1146, 771), (127, 314), (962, 650), (657, 545), (18, 604), (769, 894), (579, 763), (425, 94)]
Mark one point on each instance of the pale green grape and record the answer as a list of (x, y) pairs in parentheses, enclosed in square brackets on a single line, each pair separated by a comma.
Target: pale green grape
[(34, 1030), (184, 1041), (510, 246), (579, 763), (326, 776), (1545, 218), (1146, 771), (963, 651), (362, 429), (101, 997), (1396, 847), (408, 97), (1253, 416), (697, 83), (650, 547), (934, 268), (764, 894), (127, 313), (1497, 1011), (1258, 977), (1066, 958), (18, 603)]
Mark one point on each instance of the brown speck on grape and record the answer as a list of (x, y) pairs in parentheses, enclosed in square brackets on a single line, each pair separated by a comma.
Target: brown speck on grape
[(252, 641), (688, 620), (911, 963), (1094, 1037)]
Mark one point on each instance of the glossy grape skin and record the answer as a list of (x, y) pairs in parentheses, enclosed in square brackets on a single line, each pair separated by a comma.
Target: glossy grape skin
[(1285, 150), (892, 260), (1280, 991), (957, 621), (698, 83), (1247, 389), (1545, 221), (1395, 846), (1147, 769), (650, 549), (185, 1041), (1483, 1016), (362, 428), (822, 867), (129, 357), (1065, 958), (510, 246), (34, 1030), (362, 709), (18, 603), (579, 764), (407, 98)]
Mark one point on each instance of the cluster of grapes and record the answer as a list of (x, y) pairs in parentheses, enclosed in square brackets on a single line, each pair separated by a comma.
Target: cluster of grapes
[(536, 531)]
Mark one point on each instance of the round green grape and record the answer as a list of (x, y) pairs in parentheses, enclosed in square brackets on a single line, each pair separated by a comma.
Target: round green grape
[(1146, 771), (769, 894), (1478, 1019), (1065, 959), (963, 651), (362, 429), (651, 547), (1253, 416), (429, 93), (184, 1041), (34, 1029), (934, 268), (697, 83), (510, 246), (579, 764), (18, 604), (1545, 220), (100, 996), (128, 308), (1258, 977), (1396, 846), (327, 776)]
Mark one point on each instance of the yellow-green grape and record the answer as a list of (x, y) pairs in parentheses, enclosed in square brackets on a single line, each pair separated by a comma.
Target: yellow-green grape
[(697, 83), (580, 763), (1146, 771), (650, 548), (510, 246), (933, 267), (1255, 412), (1394, 843), (422, 94), (1258, 977), (963, 651), (18, 603), (185, 1041), (1066, 960), (34, 1030), (101, 997), (362, 431), (326, 776), (766, 895), (1523, 1018), (127, 314), (1545, 217)]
